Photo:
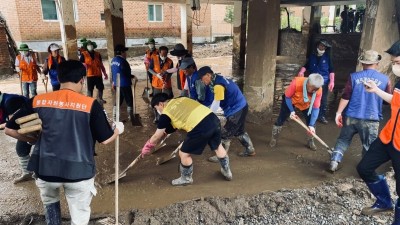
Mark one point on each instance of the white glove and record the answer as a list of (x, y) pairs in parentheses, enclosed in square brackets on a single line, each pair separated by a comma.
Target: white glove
[(119, 126), (293, 115), (312, 129), (17, 69), (159, 76), (42, 76)]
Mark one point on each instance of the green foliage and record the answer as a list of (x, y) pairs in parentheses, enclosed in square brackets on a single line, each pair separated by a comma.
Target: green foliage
[(295, 22), (229, 14)]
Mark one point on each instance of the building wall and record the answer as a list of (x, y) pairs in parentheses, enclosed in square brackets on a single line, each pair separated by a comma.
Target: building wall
[(5, 64), (27, 24), (219, 26)]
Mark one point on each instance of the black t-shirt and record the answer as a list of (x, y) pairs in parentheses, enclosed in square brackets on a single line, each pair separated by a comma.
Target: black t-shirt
[(165, 123)]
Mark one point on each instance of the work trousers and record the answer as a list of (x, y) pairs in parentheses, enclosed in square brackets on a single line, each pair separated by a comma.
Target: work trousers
[(78, 194), (29, 86), (378, 154), (23, 148)]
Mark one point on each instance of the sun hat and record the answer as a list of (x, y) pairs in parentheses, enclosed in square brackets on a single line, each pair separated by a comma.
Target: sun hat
[(370, 57)]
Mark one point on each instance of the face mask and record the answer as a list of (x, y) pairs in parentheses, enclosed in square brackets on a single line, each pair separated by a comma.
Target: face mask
[(320, 52), (396, 70), (90, 47), (151, 46), (163, 58), (26, 53)]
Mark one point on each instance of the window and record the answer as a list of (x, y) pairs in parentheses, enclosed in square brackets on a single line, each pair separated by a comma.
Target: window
[(49, 9), (102, 16), (155, 13)]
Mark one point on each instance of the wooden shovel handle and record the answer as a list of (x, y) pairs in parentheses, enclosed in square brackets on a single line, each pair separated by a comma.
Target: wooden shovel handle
[(299, 121), (27, 118), (30, 129)]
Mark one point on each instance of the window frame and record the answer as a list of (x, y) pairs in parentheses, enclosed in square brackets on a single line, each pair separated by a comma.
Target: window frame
[(75, 8), (154, 13)]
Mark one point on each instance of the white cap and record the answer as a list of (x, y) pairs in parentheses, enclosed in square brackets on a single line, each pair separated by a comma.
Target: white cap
[(54, 47)]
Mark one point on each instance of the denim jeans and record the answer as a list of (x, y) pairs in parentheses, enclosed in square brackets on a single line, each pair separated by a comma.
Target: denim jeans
[(366, 129), (378, 154), (78, 194), (26, 86), (324, 101), (284, 114)]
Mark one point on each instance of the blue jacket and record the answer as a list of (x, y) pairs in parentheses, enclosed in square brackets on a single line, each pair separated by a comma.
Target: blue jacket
[(234, 100), (364, 105), (321, 65), (209, 96), (121, 66)]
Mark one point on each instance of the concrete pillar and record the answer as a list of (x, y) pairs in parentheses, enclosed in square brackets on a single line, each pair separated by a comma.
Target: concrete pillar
[(186, 28), (68, 29), (114, 20), (315, 20), (239, 34), (380, 29), (262, 44)]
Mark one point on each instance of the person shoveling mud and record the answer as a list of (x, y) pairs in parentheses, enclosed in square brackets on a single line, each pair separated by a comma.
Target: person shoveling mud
[(203, 128)]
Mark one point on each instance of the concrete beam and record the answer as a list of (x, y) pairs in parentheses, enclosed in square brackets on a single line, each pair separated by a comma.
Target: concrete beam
[(67, 28), (114, 21), (186, 28), (262, 42), (288, 3), (239, 39), (380, 30)]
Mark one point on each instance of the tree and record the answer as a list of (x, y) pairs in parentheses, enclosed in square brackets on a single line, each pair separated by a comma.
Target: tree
[(229, 16)]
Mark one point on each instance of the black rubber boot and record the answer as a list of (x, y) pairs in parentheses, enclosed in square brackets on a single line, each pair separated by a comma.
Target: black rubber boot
[(53, 213)]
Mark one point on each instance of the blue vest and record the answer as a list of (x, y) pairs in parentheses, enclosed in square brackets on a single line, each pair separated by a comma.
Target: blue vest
[(234, 100), (192, 90), (121, 66), (53, 74), (320, 66), (364, 105)]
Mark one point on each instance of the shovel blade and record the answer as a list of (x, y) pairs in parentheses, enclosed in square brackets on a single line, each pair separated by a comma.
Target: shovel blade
[(163, 160), (146, 95), (120, 176), (135, 120)]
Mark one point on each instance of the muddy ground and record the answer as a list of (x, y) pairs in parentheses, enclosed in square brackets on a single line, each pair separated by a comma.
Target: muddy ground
[(288, 184)]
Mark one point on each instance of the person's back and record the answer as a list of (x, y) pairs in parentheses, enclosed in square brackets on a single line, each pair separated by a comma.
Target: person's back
[(364, 105), (234, 99), (121, 66)]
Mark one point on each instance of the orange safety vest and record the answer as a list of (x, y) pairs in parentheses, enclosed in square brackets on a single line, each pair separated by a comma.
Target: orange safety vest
[(149, 55), (93, 65), (297, 99), (389, 132), (28, 71), (157, 82), (50, 60)]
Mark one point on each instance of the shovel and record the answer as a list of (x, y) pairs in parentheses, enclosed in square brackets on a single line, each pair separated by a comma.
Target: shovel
[(163, 160), (135, 118), (123, 173), (146, 91), (299, 121)]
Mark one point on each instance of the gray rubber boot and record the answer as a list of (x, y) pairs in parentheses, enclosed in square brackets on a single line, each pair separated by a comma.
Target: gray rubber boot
[(26, 175), (130, 113), (311, 144), (225, 169), (53, 213), (246, 142), (186, 176), (275, 135), (226, 143)]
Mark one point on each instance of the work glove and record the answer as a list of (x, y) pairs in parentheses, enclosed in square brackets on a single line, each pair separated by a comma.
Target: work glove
[(146, 60), (301, 72), (17, 69), (105, 76), (339, 120), (172, 70), (147, 148), (159, 76), (331, 84), (42, 77), (119, 126), (311, 130), (293, 115)]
